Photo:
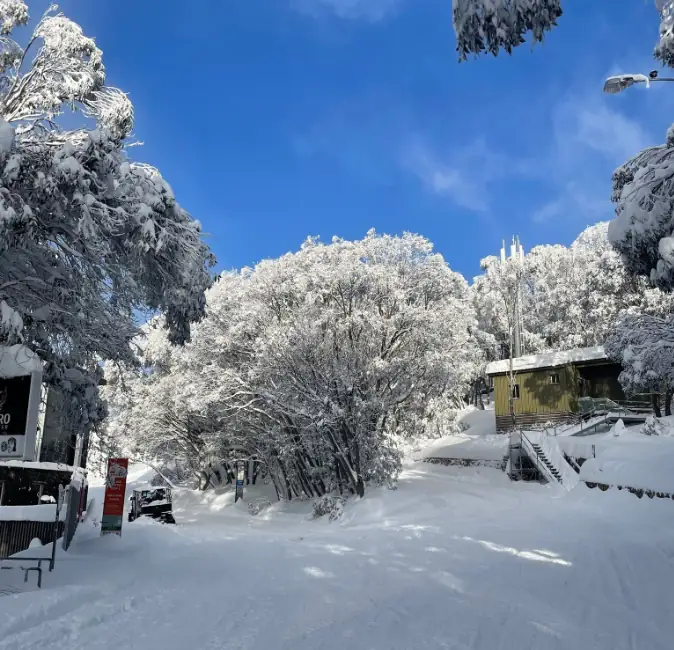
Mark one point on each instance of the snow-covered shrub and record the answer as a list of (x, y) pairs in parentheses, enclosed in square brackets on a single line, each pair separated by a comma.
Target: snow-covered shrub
[(256, 507), (653, 426), (618, 429), (330, 505)]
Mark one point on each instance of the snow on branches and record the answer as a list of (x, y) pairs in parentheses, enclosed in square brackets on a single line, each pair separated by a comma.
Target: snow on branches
[(88, 238), (664, 50), (644, 346), (571, 296), (495, 25), (318, 362), (643, 190)]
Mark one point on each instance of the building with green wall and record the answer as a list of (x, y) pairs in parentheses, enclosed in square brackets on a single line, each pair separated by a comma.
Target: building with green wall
[(545, 388)]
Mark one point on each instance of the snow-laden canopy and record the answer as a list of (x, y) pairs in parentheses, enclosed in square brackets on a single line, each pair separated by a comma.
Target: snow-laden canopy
[(570, 297), (319, 362), (89, 239), (495, 25)]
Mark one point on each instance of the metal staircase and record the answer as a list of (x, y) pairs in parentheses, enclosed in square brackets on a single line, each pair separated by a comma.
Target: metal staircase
[(546, 456), (551, 470)]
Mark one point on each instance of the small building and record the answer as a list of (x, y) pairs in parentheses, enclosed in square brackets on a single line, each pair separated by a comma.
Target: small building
[(546, 387)]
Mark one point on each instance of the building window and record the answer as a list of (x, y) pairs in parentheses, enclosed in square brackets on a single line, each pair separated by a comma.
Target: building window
[(516, 391), (554, 378)]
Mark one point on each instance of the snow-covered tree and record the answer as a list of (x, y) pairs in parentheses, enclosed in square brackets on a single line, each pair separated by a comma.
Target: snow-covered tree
[(317, 363), (644, 346), (644, 223), (571, 296), (88, 238), (643, 188), (495, 25)]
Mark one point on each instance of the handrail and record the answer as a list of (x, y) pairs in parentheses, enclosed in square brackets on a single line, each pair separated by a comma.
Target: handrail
[(26, 570), (531, 444)]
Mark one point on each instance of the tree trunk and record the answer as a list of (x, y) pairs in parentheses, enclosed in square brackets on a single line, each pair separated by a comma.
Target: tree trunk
[(289, 490), (655, 397), (668, 401)]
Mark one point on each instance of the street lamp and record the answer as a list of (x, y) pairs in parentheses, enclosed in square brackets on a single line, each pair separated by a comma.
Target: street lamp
[(618, 83)]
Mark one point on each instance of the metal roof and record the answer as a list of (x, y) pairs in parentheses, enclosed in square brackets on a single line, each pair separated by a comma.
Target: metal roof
[(548, 360)]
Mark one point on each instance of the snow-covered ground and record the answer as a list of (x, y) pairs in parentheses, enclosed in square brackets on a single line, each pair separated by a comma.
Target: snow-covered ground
[(454, 558), (624, 456), (478, 440)]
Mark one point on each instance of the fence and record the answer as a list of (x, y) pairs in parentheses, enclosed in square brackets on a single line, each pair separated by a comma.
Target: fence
[(76, 502), (16, 536)]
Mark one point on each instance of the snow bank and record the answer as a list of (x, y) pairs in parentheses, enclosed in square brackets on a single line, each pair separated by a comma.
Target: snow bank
[(78, 472), (30, 513), (643, 464), (630, 439), (479, 440), (468, 448), (18, 360)]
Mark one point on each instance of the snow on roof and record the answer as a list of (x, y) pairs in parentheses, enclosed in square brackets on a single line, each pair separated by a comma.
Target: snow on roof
[(17, 361), (42, 513), (548, 360), (78, 475), (33, 464)]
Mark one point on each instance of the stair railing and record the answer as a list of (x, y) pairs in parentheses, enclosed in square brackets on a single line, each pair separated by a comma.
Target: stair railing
[(531, 446)]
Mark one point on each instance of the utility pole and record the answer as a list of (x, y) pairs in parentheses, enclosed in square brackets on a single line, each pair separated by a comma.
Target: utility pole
[(517, 257), (513, 302)]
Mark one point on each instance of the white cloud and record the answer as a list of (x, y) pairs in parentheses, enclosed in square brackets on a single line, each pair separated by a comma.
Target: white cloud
[(591, 137), (564, 173), (548, 211), (586, 123), (368, 10), (463, 176)]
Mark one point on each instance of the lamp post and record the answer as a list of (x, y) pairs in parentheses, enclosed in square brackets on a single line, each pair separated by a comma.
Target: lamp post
[(618, 83)]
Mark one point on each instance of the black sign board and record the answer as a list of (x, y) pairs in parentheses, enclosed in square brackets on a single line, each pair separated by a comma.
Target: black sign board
[(14, 396)]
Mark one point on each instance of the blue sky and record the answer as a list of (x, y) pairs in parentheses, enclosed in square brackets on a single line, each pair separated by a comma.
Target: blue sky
[(276, 119)]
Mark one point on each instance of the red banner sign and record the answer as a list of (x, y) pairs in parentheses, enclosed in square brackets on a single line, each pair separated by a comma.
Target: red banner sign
[(115, 490)]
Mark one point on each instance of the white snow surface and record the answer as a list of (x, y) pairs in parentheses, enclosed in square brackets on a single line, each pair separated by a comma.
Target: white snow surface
[(547, 360), (18, 360), (41, 513), (479, 441), (632, 460), (454, 558), (77, 472)]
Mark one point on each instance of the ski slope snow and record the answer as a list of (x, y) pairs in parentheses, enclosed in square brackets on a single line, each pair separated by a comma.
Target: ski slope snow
[(455, 558)]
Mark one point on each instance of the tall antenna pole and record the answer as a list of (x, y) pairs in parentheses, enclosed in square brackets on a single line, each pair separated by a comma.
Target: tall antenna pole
[(517, 255)]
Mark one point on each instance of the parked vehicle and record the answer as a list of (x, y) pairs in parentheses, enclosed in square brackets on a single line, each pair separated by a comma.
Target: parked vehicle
[(155, 503)]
